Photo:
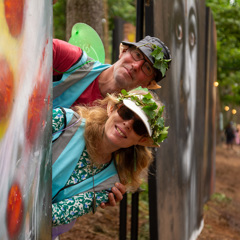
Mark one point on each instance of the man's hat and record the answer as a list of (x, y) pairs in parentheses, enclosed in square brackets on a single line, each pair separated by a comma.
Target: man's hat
[(145, 45)]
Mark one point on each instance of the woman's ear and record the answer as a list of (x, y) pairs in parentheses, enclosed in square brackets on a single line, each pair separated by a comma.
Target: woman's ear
[(147, 142), (122, 48), (110, 108)]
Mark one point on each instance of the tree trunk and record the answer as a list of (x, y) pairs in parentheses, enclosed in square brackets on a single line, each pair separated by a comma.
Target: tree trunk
[(90, 12)]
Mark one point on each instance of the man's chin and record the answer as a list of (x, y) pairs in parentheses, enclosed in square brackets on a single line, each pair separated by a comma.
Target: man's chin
[(125, 83)]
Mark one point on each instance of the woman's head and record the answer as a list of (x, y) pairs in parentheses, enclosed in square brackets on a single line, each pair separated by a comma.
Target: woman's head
[(130, 118), (144, 111), (125, 122)]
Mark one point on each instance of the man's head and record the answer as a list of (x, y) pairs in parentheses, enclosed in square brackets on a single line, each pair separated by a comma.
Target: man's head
[(146, 46)]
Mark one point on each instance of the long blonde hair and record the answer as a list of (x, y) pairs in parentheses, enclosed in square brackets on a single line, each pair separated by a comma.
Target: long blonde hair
[(130, 171)]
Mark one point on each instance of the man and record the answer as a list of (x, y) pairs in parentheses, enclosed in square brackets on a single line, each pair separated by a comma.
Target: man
[(78, 79)]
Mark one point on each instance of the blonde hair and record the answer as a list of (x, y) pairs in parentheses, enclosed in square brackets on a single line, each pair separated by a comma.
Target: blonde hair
[(130, 171)]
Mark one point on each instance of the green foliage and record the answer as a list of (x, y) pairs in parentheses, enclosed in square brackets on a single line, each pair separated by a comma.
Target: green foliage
[(220, 198), (227, 19), (160, 63), (59, 19), (125, 9)]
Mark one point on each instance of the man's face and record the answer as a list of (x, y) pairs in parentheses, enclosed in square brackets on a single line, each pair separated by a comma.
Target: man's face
[(129, 73)]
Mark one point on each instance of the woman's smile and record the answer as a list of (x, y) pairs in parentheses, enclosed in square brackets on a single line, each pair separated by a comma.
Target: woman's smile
[(120, 132)]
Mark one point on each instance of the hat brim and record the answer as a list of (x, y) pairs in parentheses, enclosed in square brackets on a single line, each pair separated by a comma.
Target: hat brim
[(132, 106)]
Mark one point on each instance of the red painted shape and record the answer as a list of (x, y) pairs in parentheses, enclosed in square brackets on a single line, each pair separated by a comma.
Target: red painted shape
[(6, 89), (14, 210), (14, 11), (39, 100), (35, 110)]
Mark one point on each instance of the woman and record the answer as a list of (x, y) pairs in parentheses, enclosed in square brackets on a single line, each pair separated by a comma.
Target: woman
[(92, 146)]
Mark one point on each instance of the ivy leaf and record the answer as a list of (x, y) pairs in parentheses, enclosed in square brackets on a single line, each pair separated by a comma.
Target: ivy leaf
[(124, 92), (163, 68), (159, 55), (148, 96), (141, 88), (160, 63), (149, 111), (160, 122)]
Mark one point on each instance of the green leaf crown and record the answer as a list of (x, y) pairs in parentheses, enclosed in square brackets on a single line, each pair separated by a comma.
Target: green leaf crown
[(152, 111)]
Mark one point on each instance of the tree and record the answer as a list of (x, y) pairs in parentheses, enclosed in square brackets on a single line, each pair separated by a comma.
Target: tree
[(227, 18), (125, 9), (89, 12), (99, 14), (59, 16)]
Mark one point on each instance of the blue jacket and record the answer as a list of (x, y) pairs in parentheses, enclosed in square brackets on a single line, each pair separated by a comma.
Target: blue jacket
[(68, 146), (74, 81)]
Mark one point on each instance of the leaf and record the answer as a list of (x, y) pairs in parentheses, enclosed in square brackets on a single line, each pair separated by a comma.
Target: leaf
[(163, 68), (124, 92), (160, 63), (159, 56), (148, 96)]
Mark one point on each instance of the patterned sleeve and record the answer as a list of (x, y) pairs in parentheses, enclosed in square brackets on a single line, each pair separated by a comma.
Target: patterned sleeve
[(69, 209), (57, 119)]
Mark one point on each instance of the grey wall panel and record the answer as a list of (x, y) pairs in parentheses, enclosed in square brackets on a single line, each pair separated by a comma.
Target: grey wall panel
[(184, 172)]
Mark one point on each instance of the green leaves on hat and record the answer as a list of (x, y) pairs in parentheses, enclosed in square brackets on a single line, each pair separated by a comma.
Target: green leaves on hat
[(152, 110), (160, 63)]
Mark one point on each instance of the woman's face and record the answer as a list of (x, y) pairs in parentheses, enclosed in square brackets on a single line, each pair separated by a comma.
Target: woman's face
[(119, 133)]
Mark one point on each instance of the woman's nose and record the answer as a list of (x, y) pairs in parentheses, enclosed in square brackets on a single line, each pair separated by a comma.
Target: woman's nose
[(128, 123)]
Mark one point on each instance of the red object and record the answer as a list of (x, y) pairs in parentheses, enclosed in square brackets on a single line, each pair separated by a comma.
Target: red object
[(14, 210), (35, 111), (39, 99), (14, 11), (65, 55), (6, 89)]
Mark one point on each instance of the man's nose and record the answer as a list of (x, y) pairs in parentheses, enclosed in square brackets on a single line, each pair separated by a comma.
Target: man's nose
[(137, 65)]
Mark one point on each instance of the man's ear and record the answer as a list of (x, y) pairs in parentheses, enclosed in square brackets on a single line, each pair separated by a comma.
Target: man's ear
[(153, 85), (122, 48), (110, 108), (147, 142)]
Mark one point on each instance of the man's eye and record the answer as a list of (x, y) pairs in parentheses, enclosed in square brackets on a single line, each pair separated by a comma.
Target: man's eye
[(147, 66), (138, 55)]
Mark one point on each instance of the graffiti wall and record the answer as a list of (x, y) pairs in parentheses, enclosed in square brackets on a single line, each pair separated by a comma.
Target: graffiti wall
[(25, 119), (185, 162)]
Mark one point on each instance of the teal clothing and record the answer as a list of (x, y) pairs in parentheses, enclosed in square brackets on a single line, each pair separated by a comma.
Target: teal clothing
[(75, 81), (68, 207)]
